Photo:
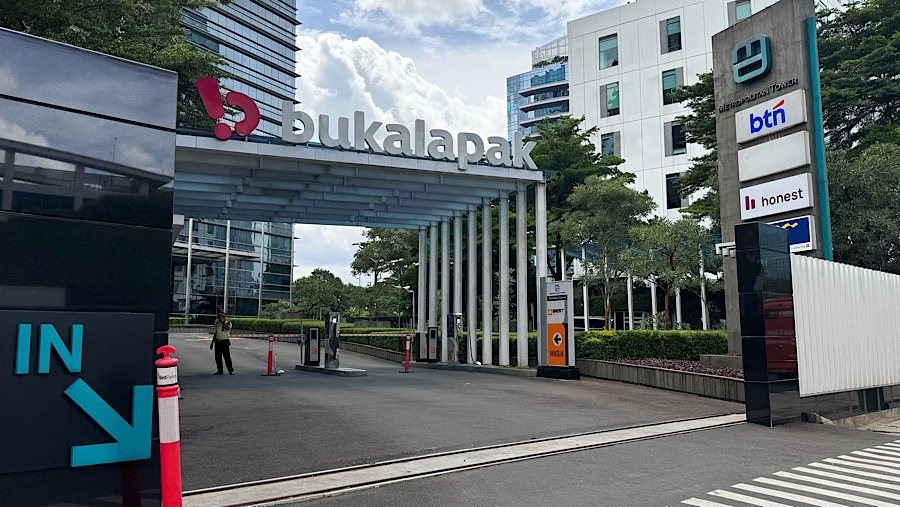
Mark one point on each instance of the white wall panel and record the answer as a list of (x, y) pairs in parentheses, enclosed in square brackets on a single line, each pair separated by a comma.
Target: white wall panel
[(648, 42), (629, 54), (576, 59), (693, 30), (630, 96), (848, 326)]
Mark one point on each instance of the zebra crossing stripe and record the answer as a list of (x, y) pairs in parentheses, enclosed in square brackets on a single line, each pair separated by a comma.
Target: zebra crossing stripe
[(848, 478), (826, 492), (747, 499), (891, 451), (876, 456), (703, 503), (787, 496), (856, 472), (839, 485), (863, 463)]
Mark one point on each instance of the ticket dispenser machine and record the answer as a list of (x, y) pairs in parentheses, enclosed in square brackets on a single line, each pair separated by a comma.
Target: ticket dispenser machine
[(333, 332), (313, 347), (432, 350), (454, 328)]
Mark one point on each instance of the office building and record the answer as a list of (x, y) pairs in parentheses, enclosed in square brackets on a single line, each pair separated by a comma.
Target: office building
[(542, 92)]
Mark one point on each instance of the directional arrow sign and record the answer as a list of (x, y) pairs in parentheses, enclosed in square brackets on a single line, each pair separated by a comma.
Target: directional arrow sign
[(557, 339), (132, 440)]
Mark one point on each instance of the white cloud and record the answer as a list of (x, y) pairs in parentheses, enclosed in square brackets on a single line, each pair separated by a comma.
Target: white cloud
[(326, 247), (410, 15), (339, 76)]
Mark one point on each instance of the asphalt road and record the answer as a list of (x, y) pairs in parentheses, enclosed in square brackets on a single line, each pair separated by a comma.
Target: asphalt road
[(248, 427)]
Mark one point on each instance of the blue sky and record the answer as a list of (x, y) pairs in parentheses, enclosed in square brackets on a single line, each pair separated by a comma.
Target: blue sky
[(444, 61)]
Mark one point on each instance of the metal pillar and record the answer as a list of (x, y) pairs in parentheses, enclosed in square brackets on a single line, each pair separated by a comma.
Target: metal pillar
[(432, 274), (586, 305), (457, 263), (227, 265), (262, 263), (422, 285), (630, 302), (704, 312), (187, 273), (487, 283), (521, 280), (678, 306), (504, 280), (445, 287), (540, 230), (471, 283), (653, 306)]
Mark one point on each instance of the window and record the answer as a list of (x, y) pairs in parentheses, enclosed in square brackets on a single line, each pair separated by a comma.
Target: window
[(609, 144), (609, 100), (671, 79), (673, 198), (671, 35), (742, 9), (609, 51), (674, 138)]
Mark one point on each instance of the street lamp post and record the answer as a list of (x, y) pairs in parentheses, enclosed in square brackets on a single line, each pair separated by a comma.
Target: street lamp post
[(411, 291)]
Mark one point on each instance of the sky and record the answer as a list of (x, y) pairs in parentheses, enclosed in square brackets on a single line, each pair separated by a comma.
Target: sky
[(443, 61)]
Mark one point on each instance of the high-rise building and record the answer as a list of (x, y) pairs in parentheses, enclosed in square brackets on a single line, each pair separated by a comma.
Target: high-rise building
[(541, 93), (624, 63), (258, 41)]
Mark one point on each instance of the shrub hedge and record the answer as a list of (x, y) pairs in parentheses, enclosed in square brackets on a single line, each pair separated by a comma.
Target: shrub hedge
[(649, 344), (176, 321)]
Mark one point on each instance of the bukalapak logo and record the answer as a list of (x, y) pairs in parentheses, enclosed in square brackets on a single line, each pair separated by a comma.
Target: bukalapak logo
[(769, 119)]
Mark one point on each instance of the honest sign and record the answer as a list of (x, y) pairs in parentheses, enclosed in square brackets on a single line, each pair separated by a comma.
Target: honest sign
[(779, 196), (77, 387)]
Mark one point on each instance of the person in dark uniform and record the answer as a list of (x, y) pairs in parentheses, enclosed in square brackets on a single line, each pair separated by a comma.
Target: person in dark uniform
[(222, 343)]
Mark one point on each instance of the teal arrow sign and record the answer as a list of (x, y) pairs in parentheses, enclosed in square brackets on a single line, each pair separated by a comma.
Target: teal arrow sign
[(132, 440)]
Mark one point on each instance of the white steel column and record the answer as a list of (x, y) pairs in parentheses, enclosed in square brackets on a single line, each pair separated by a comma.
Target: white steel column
[(704, 312), (227, 265), (262, 262), (540, 230), (457, 263), (432, 274), (187, 274), (584, 291), (422, 286), (445, 287), (653, 306), (504, 280), (630, 302), (561, 263), (472, 282), (678, 306), (521, 280), (487, 284)]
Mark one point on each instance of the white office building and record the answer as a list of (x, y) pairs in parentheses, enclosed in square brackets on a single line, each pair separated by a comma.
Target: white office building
[(623, 64)]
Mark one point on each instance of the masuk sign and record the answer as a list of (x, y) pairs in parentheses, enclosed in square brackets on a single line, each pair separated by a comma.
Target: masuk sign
[(466, 148)]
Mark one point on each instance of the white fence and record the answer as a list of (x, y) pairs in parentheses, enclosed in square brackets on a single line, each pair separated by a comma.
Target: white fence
[(848, 326)]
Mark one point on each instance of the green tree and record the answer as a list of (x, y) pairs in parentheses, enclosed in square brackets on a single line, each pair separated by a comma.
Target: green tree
[(865, 207), (273, 310), (700, 128), (146, 31), (859, 57), (390, 255), (668, 252), (602, 211), (567, 150), (321, 290)]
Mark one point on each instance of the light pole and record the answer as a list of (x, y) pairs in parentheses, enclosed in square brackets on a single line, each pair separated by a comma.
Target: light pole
[(407, 289)]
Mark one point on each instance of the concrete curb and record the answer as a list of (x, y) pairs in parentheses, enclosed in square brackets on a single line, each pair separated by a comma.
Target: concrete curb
[(710, 386), (340, 372), (498, 370)]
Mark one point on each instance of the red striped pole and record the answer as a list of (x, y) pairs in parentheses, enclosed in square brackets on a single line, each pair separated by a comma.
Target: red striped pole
[(406, 359), (270, 370), (169, 432)]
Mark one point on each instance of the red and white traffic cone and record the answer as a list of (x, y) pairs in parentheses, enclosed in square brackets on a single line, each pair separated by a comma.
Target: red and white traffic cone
[(406, 358), (169, 431)]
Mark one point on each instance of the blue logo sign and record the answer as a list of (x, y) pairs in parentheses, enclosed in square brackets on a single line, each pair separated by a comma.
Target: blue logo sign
[(769, 119), (751, 59), (800, 233)]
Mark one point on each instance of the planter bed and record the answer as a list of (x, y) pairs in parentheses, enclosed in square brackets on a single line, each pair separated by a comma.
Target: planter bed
[(710, 386)]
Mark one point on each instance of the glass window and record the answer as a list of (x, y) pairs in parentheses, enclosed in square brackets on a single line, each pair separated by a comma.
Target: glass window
[(679, 145), (673, 34), (742, 9), (673, 198), (609, 51), (612, 99), (607, 144), (669, 83)]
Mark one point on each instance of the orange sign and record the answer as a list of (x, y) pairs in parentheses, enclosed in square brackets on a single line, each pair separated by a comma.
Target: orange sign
[(556, 345)]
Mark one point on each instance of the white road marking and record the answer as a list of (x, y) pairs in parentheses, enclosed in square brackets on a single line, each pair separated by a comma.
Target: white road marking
[(876, 456), (784, 495), (855, 471), (747, 499), (703, 503), (887, 465), (839, 485), (847, 478), (826, 492), (885, 450)]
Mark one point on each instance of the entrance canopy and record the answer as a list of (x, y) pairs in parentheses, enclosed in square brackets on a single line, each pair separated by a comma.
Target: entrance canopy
[(258, 181)]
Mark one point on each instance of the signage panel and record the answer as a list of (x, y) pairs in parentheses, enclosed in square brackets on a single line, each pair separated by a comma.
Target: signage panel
[(559, 303), (779, 196), (772, 157), (801, 233), (771, 116)]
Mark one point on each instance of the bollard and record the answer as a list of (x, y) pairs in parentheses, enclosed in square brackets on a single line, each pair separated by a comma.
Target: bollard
[(270, 360), (406, 359), (169, 432)]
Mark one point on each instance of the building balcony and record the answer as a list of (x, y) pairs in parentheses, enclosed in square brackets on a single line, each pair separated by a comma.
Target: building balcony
[(534, 121), (531, 106), (545, 87)]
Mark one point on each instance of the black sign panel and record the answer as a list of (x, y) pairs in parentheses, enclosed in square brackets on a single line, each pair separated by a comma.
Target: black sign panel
[(78, 388)]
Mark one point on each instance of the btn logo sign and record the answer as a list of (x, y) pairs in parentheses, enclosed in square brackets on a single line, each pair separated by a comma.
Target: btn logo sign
[(751, 59)]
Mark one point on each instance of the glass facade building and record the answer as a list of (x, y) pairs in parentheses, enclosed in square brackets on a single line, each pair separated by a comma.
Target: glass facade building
[(259, 256), (540, 93), (257, 39)]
